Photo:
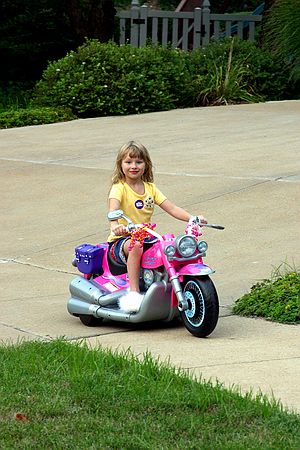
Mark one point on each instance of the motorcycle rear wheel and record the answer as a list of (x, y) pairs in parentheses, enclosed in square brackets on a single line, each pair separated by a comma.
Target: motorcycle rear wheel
[(90, 321), (201, 317)]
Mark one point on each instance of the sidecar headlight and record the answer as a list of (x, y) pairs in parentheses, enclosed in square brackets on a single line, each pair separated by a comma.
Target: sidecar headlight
[(202, 246), (186, 246), (169, 250), (148, 277)]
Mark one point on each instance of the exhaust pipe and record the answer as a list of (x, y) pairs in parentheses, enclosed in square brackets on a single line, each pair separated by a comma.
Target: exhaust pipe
[(77, 307)]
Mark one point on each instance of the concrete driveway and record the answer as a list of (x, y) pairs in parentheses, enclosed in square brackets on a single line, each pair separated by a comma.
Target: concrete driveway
[(237, 165)]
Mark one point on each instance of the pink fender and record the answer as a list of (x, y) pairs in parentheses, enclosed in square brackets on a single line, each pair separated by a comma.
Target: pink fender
[(195, 269)]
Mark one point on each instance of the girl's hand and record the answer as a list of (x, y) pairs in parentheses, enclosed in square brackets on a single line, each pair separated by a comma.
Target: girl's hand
[(202, 219), (119, 230)]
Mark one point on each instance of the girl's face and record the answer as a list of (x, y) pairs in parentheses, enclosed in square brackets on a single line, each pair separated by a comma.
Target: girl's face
[(133, 168)]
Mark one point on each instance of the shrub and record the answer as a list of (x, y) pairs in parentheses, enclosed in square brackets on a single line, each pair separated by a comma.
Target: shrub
[(277, 299), (34, 116), (107, 79)]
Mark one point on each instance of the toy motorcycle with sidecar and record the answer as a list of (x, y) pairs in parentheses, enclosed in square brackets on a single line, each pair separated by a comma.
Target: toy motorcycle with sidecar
[(174, 280)]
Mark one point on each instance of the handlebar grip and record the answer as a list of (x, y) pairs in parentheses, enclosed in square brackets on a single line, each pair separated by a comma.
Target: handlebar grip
[(212, 225)]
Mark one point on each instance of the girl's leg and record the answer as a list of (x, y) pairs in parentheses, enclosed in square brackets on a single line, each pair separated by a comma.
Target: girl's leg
[(133, 265)]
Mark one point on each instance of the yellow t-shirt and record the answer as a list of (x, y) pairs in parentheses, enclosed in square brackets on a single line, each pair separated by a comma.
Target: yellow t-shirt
[(139, 208)]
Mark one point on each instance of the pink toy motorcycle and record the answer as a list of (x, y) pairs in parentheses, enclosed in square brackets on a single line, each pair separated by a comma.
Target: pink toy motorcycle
[(174, 280)]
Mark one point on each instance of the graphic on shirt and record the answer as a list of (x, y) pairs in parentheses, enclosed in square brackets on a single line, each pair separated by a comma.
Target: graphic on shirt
[(139, 204), (149, 202)]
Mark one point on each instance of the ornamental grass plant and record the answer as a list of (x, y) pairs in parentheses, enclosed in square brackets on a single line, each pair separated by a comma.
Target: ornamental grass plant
[(282, 34), (226, 83), (239, 72)]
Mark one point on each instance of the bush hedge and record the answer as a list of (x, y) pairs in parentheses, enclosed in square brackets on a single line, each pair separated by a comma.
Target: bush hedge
[(107, 79), (276, 299), (34, 116)]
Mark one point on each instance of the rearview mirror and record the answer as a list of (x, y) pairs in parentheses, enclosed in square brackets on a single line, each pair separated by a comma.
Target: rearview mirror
[(115, 215)]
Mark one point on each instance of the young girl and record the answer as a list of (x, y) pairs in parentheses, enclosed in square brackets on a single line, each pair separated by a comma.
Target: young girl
[(134, 192)]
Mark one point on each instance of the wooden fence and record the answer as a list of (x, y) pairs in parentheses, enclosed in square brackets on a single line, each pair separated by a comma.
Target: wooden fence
[(185, 30)]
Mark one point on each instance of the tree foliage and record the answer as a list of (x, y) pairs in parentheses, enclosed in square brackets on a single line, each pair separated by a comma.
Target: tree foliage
[(33, 32), (229, 6)]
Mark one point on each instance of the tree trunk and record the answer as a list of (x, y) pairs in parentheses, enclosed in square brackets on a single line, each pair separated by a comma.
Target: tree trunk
[(92, 19)]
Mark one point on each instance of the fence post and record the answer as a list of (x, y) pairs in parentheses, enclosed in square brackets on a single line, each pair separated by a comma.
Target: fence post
[(134, 26), (122, 30), (205, 23), (197, 28), (143, 25)]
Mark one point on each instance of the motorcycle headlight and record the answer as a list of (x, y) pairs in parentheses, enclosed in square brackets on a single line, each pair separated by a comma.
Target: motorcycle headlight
[(186, 246), (202, 246), (169, 250), (148, 277)]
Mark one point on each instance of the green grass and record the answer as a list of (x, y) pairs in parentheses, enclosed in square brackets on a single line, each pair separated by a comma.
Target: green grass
[(78, 398), (276, 299), (15, 96)]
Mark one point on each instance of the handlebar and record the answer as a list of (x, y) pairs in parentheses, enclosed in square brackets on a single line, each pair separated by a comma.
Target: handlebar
[(194, 220)]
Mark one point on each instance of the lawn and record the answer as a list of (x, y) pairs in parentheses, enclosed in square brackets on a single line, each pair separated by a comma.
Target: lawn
[(57, 395)]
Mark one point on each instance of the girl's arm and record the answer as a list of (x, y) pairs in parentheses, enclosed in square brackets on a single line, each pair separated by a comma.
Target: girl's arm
[(116, 228), (177, 212)]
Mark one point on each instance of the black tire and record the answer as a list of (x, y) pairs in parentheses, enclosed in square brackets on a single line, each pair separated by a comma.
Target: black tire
[(202, 316), (90, 321)]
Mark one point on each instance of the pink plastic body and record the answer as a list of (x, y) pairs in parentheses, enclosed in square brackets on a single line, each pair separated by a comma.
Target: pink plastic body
[(152, 258)]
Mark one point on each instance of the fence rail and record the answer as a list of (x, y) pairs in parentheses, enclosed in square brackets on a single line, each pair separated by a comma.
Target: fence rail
[(185, 30)]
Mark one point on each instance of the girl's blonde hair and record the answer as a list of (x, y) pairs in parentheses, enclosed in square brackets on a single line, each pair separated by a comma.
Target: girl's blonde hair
[(133, 150)]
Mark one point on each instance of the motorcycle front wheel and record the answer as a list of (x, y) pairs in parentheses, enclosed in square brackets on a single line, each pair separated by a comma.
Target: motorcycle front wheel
[(202, 314)]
